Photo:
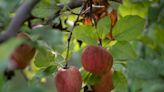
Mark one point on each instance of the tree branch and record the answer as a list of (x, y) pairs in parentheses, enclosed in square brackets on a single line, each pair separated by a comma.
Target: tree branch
[(23, 13)]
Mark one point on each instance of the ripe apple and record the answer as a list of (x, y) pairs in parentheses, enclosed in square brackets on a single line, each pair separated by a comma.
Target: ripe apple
[(68, 80), (96, 59), (105, 84), (23, 54)]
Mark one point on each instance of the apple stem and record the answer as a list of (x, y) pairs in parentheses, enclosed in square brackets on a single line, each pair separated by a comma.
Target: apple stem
[(66, 66), (86, 89), (100, 42)]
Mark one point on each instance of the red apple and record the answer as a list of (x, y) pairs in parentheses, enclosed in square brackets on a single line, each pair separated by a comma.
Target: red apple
[(23, 54), (68, 80), (96, 59), (105, 84)]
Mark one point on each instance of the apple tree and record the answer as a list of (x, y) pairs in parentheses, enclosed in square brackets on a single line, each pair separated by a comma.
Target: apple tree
[(81, 45)]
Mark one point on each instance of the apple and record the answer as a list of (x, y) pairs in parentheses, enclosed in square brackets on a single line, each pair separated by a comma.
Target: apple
[(23, 54), (96, 59), (68, 80), (105, 84)]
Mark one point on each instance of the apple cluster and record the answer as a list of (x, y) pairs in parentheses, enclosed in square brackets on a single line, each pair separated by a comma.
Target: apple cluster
[(96, 60)]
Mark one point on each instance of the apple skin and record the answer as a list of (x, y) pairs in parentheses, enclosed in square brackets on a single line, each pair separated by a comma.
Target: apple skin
[(96, 59), (105, 84), (68, 80), (23, 54)]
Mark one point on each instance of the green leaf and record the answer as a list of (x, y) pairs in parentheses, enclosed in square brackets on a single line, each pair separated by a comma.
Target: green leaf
[(86, 34), (130, 8), (145, 76), (92, 79), (45, 9), (103, 27), (128, 28), (120, 82), (17, 83), (154, 13), (44, 58), (144, 69), (60, 60), (122, 50), (8, 5), (89, 78), (48, 37), (49, 70), (147, 41), (159, 33), (2, 81), (119, 67)]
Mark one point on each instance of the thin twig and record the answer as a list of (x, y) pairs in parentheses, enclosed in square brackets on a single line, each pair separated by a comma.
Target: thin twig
[(70, 35)]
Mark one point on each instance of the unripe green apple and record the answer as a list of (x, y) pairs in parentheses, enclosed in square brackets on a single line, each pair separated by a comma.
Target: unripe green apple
[(68, 80), (97, 60)]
